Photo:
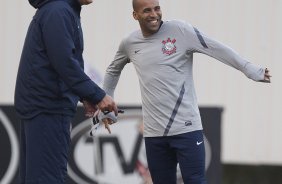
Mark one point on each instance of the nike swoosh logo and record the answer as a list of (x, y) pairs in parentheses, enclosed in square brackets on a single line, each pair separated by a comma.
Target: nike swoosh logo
[(136, 51), (198, 143)]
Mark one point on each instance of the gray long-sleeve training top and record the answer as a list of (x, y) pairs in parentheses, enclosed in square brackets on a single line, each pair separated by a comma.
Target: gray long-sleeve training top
[(164, 62)]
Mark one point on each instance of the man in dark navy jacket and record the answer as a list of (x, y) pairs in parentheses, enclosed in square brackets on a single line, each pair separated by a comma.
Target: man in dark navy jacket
[(50, 83)]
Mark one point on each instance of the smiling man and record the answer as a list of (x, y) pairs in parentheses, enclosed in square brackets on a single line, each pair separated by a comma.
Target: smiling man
[(162, 54), (149, 17), (49, 84)]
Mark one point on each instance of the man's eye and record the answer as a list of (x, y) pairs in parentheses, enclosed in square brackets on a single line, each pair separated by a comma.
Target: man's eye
[(157, 8), (146, 11)]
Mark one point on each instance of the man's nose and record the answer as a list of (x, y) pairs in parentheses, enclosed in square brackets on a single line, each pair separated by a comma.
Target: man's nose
[(153, 13)]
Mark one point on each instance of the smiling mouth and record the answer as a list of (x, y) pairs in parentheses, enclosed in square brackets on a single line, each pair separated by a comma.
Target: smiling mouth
[(154, 22)]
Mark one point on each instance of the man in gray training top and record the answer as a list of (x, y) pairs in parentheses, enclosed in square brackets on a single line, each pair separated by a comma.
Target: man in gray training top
[(162, 54)]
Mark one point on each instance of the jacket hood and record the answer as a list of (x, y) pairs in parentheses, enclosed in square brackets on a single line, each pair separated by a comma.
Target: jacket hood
[(38, 3)]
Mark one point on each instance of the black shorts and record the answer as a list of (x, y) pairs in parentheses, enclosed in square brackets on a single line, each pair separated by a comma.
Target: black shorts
[(164, 153)]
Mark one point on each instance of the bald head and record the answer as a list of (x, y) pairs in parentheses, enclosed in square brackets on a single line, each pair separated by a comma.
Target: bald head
[(137, 3), (149, 15), (134, 4)]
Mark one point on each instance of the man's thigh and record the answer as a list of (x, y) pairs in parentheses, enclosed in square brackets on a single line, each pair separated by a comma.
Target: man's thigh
[(161, 160), (47, 141), (191, 156)]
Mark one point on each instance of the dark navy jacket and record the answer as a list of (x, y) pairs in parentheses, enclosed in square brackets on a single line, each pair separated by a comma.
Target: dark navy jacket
[(50, 75)]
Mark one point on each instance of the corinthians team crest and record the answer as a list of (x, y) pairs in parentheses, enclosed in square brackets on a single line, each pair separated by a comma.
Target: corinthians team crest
[(169, 46)]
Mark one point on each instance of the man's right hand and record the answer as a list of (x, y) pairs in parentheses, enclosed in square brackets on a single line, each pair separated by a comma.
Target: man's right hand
[(108, 104)]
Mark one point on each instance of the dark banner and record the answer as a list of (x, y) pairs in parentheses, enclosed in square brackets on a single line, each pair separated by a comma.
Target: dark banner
[(107, 158)]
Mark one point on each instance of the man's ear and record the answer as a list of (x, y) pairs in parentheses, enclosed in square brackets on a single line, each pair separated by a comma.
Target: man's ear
[(135, 15)]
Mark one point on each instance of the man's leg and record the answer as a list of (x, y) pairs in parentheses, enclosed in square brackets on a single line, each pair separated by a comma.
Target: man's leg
[(191, 156), (47, 147), (161, 160)]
